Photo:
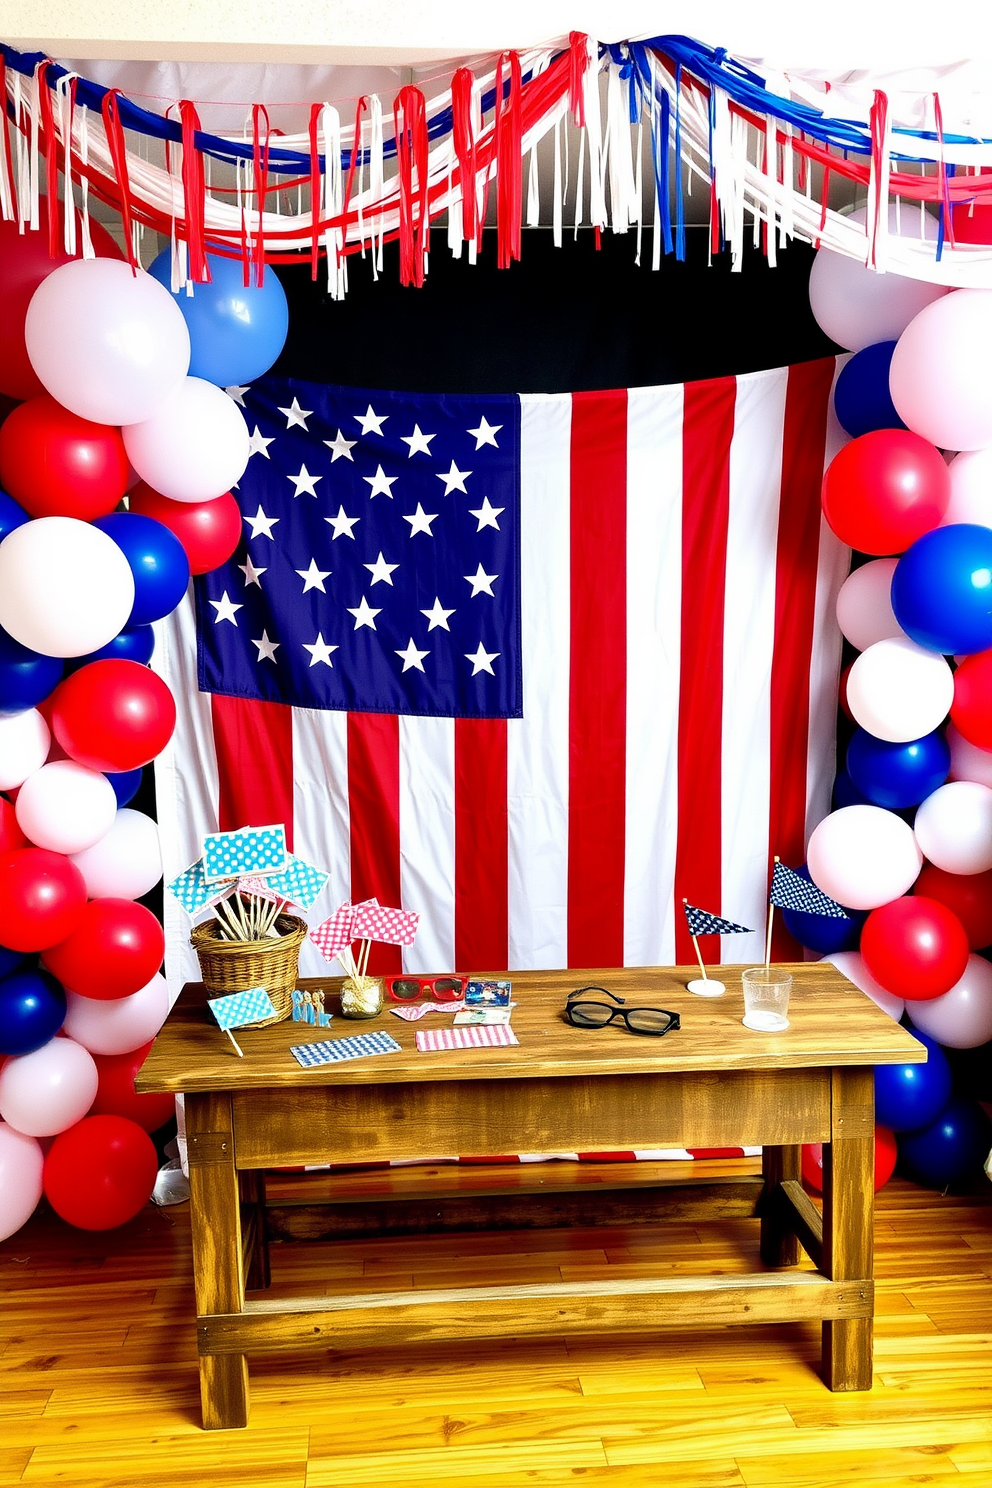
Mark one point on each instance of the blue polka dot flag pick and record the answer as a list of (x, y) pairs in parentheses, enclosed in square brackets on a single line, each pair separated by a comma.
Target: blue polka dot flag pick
[(193, 891), (246, 851), (239, 1009), (701, 922), (300, 883), (790, 891)]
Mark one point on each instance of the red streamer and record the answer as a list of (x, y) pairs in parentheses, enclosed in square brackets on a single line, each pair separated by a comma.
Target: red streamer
[(315, 179), (410, 124), (51, 159), (463, 138), (118, 157), (945, 195), (509, 165), (7, 152), (260, 158), (194, 194)]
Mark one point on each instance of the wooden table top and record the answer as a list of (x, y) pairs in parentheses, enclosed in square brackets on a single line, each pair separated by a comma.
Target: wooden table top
[(831, 1023)]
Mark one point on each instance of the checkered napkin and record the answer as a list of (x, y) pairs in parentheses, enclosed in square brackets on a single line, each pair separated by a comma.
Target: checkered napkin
[(248, 850), (193, 891), (432, 1040), (240, 1008), (331, 1051), (299, 882)]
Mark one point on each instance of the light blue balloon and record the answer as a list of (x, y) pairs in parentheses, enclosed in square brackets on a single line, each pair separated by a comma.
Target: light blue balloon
[(235, 333)]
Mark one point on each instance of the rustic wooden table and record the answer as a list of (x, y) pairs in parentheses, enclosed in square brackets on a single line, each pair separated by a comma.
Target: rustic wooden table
[(712, 1084)]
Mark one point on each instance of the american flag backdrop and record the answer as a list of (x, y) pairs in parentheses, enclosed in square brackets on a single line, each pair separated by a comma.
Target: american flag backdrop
[(539, 667)]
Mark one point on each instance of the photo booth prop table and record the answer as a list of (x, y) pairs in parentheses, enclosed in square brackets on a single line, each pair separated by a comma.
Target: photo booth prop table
[(712, 1084)]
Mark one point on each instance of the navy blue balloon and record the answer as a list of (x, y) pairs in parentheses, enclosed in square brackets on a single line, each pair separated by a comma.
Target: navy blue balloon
[(898, 775), (862, 400), (125, 785), (26, 677), (846, 793), (12, 515), (157, 560), (32, 1010), (820, 932), (942, 589), (235, 333), (135, 643), (911, 1096), (11, 960), (952, 1148)]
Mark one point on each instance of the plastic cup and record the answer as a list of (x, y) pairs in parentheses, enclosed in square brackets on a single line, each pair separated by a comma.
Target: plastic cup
[(766, 998)]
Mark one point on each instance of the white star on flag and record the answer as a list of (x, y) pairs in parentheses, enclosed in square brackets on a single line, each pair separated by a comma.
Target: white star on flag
[(437, 615), (381, 571), (486, 434), (261, 525), (258, 444), (305, 483), (482, 583), (341, 447), (295, 415), (411, 657), (381, 483), (267, 649), (320, 651), (419, 445), (237, 393), (371, 421), (313, 577), (251, 573), (342, 525), (454, 480), (364, 614), (420, 521), (226, 610), (482, 660), (487, 514)]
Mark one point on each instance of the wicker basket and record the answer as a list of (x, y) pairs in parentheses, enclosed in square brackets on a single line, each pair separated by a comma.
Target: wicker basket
[(236, 965)]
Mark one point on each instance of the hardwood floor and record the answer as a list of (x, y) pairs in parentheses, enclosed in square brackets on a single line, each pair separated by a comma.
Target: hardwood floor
[(98, 1383)]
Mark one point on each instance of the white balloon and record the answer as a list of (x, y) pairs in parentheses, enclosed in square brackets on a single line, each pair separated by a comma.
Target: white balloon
[(24, 742), (863, 856), (968, 762), (120, 1025), (66, 588), (940, 377), (864, 606), (954, 827), (107, 343), (898, 691), (65, 807), (194, 447), (21, 1163), (971, 489), (126, 862), (962, 1018), (852, 965), (856, 307), (45, 1092)]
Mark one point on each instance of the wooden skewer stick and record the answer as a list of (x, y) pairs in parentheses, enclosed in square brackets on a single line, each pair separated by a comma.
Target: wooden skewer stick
[(235, 1043), (695, 946), (768, 935)]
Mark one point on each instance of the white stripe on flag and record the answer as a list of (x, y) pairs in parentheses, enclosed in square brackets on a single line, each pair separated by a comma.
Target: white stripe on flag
[(427, 839), (321, 816)]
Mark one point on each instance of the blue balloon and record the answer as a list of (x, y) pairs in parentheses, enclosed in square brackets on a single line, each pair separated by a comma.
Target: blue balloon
[(157, 560), (898, 775), (26, 677), (954, 1147), (12, 515), (909, 1097), (135, 643), (942, 589), (862, 400), (846, 793), (820, 932), (125, 785), (235, 333), (11, 960), (32, 1010)]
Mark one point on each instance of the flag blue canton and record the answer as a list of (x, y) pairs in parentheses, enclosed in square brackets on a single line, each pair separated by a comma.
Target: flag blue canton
[(379, 570), (701, 922), (791, 891)]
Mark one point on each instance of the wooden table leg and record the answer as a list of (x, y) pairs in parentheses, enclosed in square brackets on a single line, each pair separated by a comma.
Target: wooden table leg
[(218, 1264), (849, 1223), (779, 1246)]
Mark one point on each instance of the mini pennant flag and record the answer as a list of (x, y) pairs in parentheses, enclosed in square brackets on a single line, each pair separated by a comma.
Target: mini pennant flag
[(300, 883), (246, 851), (193, 891), (336, 932), (238, 1009), (701, 922), (791, 891)]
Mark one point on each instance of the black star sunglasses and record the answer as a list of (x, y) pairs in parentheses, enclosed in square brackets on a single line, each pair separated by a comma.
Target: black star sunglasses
[(593, 1014)]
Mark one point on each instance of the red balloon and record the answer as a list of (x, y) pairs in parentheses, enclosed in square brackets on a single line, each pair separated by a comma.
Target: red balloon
[(115, 949), (971, 710), (969, 896), (57, 464), (885, 1160), (884, 490), (915, 947), (208, 530), (11, 836), (42, 898), (972, 222), (100, 1172), (113, 715), (24, 263), (116, 1096)]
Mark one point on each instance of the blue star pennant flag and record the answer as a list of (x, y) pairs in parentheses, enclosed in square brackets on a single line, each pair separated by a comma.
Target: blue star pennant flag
[(238, 1009), (791, 891), (701, 922)]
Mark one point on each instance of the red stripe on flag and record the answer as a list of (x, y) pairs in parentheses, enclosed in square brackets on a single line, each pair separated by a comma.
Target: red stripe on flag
[(804, 439), (481, 845), (374, 805), (707, 432), (597, 679), (253, 742)]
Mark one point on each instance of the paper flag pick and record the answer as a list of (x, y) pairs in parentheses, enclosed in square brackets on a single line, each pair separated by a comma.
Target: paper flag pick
[(300, 883), (377, 922), (336, 932), (246, 851), (193, 891), (238, 1009), (701, 922), (363, 927), (791, 891)]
